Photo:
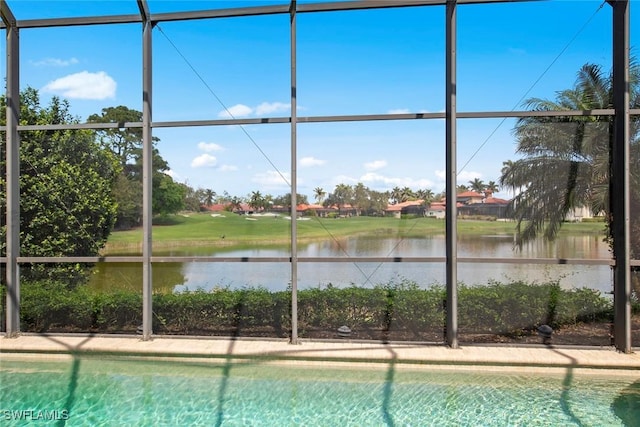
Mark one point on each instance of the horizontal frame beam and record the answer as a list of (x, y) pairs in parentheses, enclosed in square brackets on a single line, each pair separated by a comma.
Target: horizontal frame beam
[(239, 12), (324, 119), (214, 259)]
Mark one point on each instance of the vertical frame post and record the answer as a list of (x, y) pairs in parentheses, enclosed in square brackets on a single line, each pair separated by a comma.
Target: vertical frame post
[(294, 179), (451, 178), (13, 171), (147, 173), (620, 208)]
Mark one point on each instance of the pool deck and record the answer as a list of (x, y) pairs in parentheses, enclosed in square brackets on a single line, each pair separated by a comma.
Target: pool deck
[(414, 355)]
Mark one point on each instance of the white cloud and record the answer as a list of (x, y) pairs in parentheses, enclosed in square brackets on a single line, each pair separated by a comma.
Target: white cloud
[(55, 62), (344, 179), (236, 111), (372, 178), (228, 168), (375, 165), (84, 85), (399, 111), (204, 161), (463, 177), (271, 107), (271, 179), (172, 174), (265, 108), (311, 161), (209, 146)]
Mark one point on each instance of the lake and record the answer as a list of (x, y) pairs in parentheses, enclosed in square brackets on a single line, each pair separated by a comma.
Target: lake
[(180, 276)]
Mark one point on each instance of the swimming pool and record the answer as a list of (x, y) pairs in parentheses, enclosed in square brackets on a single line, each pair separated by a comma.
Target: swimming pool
[(118, 391)]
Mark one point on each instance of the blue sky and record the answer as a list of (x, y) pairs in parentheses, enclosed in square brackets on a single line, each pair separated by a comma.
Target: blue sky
[(356, 62)]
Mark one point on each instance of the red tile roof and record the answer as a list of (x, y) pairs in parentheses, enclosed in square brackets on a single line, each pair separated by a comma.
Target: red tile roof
[(469, 194)]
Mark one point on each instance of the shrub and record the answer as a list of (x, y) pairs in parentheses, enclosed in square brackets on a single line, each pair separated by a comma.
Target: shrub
[(403, 309)]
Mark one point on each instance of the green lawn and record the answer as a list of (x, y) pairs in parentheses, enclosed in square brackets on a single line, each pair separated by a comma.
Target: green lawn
[(232, 229)]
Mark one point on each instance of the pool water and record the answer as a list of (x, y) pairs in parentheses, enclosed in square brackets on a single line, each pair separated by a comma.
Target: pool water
[(117, 392)]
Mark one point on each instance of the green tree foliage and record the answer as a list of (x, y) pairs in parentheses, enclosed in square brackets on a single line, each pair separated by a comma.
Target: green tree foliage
[(168, 195), (66, 181), (285, 200), (192, 198), (342, 195), (257, 200), (396, 195), (477, 185), (209, 196), (126, 143), (425, 195), (365, 200), (319, 194), (565, 160), (461, 188), (492, 187)]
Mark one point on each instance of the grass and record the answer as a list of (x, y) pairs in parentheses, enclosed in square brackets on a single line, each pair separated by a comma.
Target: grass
[(199, 229)]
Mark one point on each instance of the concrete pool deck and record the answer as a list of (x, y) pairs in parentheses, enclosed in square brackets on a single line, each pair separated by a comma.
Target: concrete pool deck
[(415, 355)]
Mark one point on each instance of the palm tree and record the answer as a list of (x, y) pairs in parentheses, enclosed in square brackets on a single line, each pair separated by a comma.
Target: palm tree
[(396, 195), (477, 185), (209, 196), (491, 188), (425, 195), (256, 200), (319, 194), (406, 194), (235, 204), (343, 194), (565, 163)]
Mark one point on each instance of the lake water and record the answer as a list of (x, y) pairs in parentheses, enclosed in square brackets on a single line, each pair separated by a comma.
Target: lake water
[(179, 276)]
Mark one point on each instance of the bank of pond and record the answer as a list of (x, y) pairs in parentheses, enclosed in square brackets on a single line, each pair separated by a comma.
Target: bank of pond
[(393, 311)]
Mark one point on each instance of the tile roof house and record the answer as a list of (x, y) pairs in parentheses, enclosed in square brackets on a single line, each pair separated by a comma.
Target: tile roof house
[(412, 207), (488, 206), (470, 197)]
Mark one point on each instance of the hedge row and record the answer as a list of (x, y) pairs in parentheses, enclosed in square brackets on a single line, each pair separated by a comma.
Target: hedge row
[(400, 310)]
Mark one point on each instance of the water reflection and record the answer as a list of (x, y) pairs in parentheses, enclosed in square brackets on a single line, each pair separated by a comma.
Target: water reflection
[(276, 276)]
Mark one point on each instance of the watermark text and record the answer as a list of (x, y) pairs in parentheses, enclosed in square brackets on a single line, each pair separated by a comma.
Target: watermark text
[(33, 415)]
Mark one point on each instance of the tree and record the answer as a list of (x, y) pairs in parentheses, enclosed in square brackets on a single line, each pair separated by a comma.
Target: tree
[(492, 187), (193, 199), (566, 160), (361, 198), (425, 195), (286, 200), (256, 200), (378, 202), (477, 185), (319, 194), (209, 197), (235, 204), (66, 180), (396, 195), (168, 195), (126, 144), (343, 194), (406, 194)]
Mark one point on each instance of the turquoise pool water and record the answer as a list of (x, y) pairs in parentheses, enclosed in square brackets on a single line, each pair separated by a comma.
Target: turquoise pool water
[(116, 392)]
